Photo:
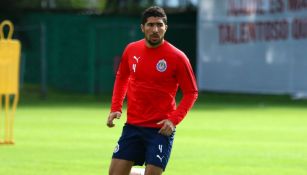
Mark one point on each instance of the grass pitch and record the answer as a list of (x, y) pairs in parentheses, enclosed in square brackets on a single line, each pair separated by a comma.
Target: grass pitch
[(222, 135)]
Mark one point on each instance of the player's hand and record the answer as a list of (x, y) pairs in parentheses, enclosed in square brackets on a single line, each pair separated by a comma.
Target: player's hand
[(167, 127), (112, 116)]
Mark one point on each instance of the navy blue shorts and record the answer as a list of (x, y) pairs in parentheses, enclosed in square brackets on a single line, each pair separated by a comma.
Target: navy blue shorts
[(144, 145)]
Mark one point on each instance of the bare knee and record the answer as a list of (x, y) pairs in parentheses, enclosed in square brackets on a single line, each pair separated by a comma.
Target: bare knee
[(120, 167), (153, 170)]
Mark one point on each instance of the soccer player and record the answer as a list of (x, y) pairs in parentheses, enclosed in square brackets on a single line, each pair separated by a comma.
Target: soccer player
[(150, 72)]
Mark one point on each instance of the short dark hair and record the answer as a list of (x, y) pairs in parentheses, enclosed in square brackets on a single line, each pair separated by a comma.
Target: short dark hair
[(154, 11)]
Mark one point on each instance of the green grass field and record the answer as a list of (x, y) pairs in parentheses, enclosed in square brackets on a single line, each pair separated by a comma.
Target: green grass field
[(222, 135)]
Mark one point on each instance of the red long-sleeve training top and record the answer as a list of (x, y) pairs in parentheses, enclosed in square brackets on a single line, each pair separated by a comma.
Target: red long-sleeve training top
[(150, 78)]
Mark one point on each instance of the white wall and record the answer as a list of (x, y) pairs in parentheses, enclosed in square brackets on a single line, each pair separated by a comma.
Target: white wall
[(252, 46)]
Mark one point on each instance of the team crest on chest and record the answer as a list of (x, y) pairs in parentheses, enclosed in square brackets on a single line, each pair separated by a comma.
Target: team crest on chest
[(161, 65)]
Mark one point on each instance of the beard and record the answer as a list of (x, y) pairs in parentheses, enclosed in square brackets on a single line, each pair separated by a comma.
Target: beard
[(154, 42)]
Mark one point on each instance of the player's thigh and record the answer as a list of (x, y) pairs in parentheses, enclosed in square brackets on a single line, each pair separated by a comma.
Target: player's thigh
[(158, 149), (120, 167), (130, 146), (153, 170)]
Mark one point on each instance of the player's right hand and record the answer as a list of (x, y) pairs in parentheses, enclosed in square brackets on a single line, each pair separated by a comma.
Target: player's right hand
[(112, 116)]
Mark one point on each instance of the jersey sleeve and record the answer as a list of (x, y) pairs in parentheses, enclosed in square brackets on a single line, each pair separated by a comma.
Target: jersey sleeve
[(188, 86), (121, 83)]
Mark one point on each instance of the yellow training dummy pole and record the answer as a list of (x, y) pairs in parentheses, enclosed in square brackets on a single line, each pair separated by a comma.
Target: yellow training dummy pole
[(9, 81)]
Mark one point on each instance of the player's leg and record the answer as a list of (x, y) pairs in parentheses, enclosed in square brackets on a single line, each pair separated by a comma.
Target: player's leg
[(129, 151), (158, 151), (120, 167), (153, 170)]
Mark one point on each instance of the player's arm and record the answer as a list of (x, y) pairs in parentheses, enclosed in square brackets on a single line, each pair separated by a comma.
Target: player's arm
[(187, 83), (188, 86), (119, 90)]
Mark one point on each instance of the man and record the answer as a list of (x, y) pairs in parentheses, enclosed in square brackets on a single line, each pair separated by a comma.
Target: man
[(150, 72)]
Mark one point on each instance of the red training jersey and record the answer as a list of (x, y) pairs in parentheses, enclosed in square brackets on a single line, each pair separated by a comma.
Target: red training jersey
[(150, 78)]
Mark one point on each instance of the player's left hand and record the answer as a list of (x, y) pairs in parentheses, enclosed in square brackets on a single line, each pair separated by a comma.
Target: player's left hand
[(167, 127)]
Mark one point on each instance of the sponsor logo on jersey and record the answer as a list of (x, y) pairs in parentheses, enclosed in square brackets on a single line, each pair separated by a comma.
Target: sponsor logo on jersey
[(137, 61), (136, 58), (161, 65)]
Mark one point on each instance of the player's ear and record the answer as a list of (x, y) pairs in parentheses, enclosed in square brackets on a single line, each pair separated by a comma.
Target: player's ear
[(166, 26), (142, 28)]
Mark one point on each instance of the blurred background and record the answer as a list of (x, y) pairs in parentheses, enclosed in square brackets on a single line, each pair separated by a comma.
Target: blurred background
[(76, 45), (249, 47)]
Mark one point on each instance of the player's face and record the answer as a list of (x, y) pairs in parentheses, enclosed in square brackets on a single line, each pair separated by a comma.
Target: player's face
[(154, 30)]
